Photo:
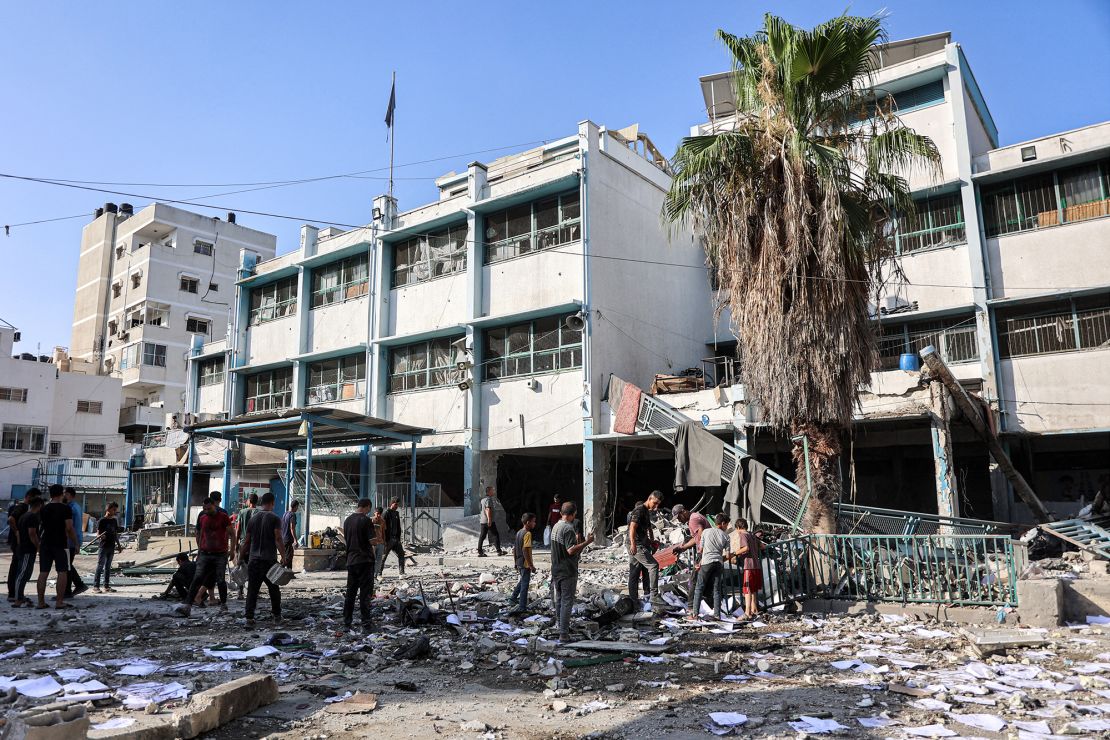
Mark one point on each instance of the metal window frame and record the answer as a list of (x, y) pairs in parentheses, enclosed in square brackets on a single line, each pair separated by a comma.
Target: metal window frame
[(270, 394), (255, 316), (206, 377), (428, 236), (339, 382), (426, 371), (488, 247), (19, 430), (341, 287), (503, 360), (89, 406)]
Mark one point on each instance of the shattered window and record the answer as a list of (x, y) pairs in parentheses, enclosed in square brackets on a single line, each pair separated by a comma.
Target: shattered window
[(428, 364), (426, 256), (543, 345)]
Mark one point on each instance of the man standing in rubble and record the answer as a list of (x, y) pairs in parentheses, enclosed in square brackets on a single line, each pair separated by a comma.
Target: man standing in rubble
[(714, 548), (522, 558), (392, 533), (242, 519), (260, 550), (566, 547), (289, 533), (74, 585), (358, 534), (640, 557), (489, 526), (213, 537), (697, 524)]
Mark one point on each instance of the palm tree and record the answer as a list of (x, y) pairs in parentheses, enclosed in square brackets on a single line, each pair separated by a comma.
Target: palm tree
[(795, 199)]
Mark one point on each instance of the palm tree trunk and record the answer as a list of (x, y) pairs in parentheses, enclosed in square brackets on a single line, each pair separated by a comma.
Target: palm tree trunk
[(824, 472)]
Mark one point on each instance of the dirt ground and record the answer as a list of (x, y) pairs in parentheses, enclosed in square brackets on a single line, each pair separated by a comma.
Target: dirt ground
[(475, 682)]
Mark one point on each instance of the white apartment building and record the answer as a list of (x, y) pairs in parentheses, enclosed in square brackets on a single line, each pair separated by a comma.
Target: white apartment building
[(541, 273), (1007, 267), (53, 413), (148, 283)]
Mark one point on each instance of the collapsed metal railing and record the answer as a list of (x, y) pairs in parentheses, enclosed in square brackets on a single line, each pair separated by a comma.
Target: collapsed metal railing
[(961, 570), (783, 499)]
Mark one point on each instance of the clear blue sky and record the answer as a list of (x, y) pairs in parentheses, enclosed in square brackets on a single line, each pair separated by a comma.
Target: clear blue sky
[(207, 92)]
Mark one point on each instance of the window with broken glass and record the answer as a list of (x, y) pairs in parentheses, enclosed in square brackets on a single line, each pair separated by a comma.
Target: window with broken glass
[(211, 371), (532, 227), (337, 379), (541, 346), (428, 364), (269, 390), (274, 300), (340, 281), (435, 254)]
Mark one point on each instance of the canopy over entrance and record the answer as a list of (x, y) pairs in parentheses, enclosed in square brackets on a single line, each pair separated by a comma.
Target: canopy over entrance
[(301, 429)]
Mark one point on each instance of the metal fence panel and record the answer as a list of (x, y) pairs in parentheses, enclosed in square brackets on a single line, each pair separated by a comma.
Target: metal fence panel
[(420, 523)]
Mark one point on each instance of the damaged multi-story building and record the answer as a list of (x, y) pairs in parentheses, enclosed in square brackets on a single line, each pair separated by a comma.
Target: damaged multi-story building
[(491, 316), (494, 316), (1005, 271)]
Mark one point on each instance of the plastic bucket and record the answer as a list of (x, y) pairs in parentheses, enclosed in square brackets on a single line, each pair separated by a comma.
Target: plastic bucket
[(910, 362)]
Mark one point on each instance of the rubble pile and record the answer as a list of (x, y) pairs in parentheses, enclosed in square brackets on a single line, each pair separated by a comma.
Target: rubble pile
[(443, 656)]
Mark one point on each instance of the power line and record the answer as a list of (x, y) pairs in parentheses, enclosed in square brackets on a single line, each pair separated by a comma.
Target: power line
[(265, 184)]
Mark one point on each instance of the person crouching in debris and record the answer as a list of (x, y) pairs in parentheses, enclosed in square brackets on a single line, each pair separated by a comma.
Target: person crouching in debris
[(358, 533), (749, 547), (392, 534), (260, 550), (522, 558), (714, 549), (640, 556), (183, 578), (566, 548)]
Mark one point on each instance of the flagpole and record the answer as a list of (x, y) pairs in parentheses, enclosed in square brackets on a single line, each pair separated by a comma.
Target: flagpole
[(391, 136)]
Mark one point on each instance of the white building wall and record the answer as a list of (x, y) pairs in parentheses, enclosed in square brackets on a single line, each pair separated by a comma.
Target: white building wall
[(1059, 392), (52, 398), (1059, 258), (548, 414)]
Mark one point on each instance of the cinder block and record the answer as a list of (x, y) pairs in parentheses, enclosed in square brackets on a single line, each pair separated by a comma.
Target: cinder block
[(1040, 602), (216, 706)]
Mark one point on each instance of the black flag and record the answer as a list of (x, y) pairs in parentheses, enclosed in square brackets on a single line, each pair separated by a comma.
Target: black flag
[(392, 105)]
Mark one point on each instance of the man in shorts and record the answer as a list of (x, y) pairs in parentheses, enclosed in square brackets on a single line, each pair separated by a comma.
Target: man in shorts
[(56, 521), (748, 550)]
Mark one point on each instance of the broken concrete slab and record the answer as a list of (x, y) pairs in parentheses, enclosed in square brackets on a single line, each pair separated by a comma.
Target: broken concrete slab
[(1040, 602), (216, 706), (613, 646), (986, 642)]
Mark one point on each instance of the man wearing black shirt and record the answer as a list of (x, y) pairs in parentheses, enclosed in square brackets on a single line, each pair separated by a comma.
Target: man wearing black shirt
[(393, 536), (15, 511), (28, 531), (108, 531), (54, 542), (358, 533), (260, 550), (640, 556)]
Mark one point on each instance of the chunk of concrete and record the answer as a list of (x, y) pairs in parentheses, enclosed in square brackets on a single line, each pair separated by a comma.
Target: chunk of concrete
[(57, 724), (1040, 602), (221, 704)]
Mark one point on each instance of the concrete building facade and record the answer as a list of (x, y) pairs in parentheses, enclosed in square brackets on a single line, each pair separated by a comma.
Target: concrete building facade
[(148, 283), (493, 316), (52, 410)]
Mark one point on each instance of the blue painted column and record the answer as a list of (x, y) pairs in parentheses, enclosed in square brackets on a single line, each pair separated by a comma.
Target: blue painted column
[(307, 482), (227, 479), (412, 478), (183, 507), (364, 471), (129, 493)]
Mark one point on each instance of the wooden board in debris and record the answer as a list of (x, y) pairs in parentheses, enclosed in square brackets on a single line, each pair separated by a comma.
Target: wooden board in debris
[(612, 646)]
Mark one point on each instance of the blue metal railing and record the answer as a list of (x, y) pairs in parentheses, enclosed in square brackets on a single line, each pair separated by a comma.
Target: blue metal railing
[(961, 570)]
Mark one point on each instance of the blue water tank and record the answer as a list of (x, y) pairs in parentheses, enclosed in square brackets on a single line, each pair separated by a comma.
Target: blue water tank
[(910, 362)]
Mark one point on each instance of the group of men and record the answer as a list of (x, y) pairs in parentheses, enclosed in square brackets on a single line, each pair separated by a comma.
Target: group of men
[(50, 531)]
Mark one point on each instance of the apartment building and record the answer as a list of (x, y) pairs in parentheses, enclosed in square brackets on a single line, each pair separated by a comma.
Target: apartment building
[(1007, 274), (492, 316), (55, 413), (147, 284)]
